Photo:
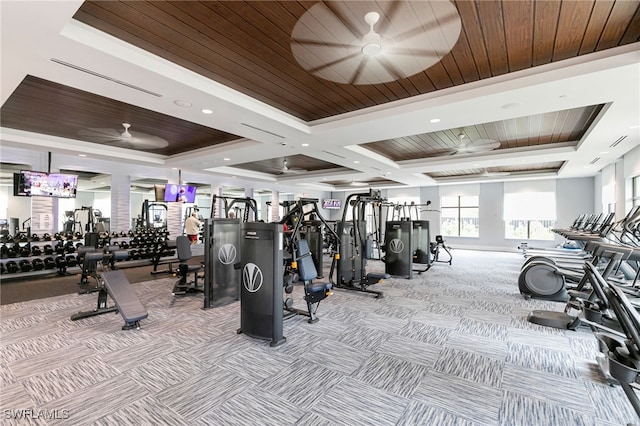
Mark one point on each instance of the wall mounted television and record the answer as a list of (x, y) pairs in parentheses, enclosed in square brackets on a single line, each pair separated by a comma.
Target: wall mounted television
[(331, 204), (179, 193), (40, 184)]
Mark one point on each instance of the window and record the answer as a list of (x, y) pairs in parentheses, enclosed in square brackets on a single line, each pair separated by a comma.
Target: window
[(529, 215), (460, 216), (635, 183)]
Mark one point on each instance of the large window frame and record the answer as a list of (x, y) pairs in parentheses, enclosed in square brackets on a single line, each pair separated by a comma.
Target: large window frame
[(529, 215), (460, 216)]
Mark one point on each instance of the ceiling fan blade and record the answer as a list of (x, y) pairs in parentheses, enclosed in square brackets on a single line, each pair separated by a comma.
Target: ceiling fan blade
[(479, 145), (144, 141), (99, 134)]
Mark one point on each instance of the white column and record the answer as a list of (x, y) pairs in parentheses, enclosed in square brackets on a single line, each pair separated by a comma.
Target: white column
[(275, 206), (120, 220)]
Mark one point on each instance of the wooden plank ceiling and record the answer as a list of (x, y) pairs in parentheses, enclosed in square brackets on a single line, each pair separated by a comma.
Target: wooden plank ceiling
[(246, 45)]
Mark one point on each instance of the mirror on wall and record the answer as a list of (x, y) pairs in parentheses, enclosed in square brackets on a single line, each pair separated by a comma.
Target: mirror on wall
[(14, 210)]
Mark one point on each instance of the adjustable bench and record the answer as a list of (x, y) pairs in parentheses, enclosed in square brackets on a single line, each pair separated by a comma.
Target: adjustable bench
[(117, 286)]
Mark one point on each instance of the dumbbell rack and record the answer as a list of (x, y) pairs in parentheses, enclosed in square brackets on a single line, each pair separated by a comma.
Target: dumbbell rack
[(28, 255), (143, 246), (58, 253)]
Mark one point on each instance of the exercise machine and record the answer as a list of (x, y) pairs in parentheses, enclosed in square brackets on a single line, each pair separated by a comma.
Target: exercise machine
[(153, 216), (407, 245), (435, 248), (304, 223), (222, 250), (183, 285), (261, 290), (578, 298), (244, 209), (349, 266)]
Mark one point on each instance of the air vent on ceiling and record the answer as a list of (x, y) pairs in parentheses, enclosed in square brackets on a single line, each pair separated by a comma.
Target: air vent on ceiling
[(106, 77), (595, 160), (335, 155), (262, 130), (620, 139), (375, 168)]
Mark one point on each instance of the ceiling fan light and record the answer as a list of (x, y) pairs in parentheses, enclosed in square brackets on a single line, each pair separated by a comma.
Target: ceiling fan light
[(371, 44)]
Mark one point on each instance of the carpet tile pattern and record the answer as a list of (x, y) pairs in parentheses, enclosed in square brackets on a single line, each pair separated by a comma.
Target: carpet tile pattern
[(449, 347)]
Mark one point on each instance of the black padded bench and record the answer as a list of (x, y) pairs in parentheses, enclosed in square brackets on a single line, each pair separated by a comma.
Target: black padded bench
[(117, 286)]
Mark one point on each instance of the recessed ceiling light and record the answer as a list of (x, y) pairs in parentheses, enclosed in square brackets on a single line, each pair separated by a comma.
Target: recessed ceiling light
[(356, 162), (182, 103), (207, 111), (634, 127), (604, 152), (305, 144), (434, 120), (227, 159), (82, 155)]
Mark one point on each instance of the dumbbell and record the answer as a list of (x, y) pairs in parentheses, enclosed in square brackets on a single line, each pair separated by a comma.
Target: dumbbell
[(12, 253), (25, 251), (70, 247), (12, 267), (49, 263), (25, 265), (3, 269), (71, 260), (35, 237), (4, 251), (46, 236), (36, 251), (134, 254), (61, 263), (38, 264), (47, 249)]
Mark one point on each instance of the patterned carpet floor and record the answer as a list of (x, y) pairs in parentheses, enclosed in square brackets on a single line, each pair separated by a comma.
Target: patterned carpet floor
[(451, 346)]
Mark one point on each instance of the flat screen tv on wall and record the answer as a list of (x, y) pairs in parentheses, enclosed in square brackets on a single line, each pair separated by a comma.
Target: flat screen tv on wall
[(41, 184), (179, 193)]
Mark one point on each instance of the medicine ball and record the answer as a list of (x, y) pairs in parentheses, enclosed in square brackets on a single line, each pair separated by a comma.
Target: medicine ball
[(25, 265), (12, 267), (49, 263), (38, 264)]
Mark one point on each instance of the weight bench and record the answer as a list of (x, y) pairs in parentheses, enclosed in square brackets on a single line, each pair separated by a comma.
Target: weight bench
[(117, 286), (314, 293)]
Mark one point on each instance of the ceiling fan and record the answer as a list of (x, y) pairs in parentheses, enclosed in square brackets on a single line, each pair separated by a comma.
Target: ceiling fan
[(467, 146), (290, 170), (487, 173), (123, 138), (369, 42)]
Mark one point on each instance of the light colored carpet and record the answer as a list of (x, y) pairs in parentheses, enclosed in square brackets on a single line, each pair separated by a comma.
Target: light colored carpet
[(450, 347)]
